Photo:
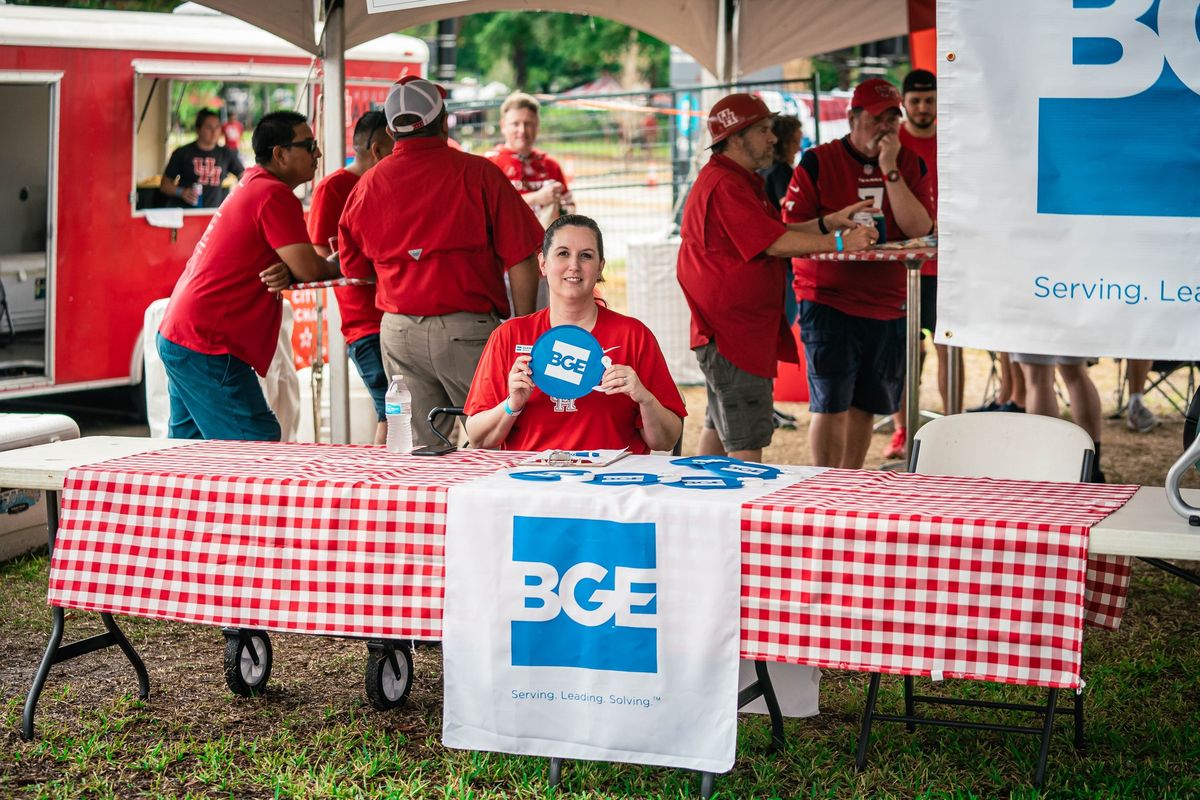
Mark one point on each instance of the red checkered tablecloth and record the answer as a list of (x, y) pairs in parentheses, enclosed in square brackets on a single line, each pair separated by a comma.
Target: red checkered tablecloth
[(323, 539), (928, 575)]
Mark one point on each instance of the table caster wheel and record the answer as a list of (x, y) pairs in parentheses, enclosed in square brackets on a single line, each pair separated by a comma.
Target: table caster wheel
[(247, 661), (389, 674)]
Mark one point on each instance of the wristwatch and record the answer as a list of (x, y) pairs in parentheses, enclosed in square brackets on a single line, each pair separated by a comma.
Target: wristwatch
[(893, 175)]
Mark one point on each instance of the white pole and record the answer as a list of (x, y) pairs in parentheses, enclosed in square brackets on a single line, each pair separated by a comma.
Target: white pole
[(333, 144)]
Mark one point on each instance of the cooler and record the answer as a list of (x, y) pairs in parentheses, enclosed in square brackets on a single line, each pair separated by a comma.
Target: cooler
[(791, 382), (23, 511)]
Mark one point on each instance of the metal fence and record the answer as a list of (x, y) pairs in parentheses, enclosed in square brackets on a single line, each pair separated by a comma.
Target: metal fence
[(631, 157)]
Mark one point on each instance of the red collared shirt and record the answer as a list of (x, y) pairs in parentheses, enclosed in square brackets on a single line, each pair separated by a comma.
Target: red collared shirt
[(526, 173), (734, 289), (438, 228), (219, 305), (356, 304)]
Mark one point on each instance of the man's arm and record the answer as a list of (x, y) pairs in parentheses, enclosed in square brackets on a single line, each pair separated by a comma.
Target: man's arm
[(523, 280), (797, 244), (305, 265), (912, 217)]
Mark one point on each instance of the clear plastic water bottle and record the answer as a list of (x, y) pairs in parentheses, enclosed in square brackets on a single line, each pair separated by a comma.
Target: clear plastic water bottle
[(397, 405)]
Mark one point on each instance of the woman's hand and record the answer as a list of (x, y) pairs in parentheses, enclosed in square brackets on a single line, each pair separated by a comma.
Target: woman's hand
[(621, 379), (277, 277), (845, 217), (520, 383)]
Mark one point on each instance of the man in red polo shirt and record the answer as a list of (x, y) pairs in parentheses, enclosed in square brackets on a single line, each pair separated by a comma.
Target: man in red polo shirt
[(437, 228), (732, 270), (537, 176), (356, 304), (222, 322), (852, 313)]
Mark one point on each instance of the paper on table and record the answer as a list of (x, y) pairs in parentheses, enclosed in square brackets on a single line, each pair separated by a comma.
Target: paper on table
[(576, 458)]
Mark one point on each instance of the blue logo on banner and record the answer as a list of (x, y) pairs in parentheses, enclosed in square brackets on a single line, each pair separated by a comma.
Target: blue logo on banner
[(566, 362), (590, 594), (1132, 150)]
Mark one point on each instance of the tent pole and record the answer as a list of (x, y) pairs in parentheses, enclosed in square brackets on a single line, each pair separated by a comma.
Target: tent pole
[(333, 145)]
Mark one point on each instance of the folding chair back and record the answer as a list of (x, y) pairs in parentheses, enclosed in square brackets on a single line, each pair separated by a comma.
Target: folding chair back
[(1000, 445)]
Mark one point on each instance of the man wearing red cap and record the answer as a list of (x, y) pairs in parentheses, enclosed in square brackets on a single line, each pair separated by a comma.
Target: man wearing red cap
[(852, 313), (437, 228), (732, 269)]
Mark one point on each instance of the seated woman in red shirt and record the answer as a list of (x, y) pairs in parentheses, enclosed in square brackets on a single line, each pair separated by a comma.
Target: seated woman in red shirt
[(636, 404)]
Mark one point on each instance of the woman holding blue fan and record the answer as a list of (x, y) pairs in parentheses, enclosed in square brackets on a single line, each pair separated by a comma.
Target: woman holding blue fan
[(574, 375)]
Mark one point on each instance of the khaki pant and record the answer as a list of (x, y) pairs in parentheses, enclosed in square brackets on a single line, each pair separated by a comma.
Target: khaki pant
[(437, 357)]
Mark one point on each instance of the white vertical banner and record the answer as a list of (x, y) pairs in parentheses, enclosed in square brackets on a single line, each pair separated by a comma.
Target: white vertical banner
[(1069, 176), (594, 621)]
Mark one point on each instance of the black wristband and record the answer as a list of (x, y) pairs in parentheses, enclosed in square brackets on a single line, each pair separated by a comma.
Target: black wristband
[(821, 225)]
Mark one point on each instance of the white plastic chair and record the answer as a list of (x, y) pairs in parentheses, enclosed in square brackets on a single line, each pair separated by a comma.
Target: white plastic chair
[(991, 445)]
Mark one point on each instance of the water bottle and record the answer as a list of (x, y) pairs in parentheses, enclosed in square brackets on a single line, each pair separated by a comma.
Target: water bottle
[(397, 405)]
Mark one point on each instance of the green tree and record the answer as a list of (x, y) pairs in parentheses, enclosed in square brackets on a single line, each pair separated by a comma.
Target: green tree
[(550, 51)]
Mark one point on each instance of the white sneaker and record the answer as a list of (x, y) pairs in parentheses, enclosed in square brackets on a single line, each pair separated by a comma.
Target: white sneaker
[(1141, 419)]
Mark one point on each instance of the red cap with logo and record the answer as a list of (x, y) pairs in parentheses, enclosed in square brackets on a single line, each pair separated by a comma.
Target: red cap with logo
[(876, 96), (734, 113)]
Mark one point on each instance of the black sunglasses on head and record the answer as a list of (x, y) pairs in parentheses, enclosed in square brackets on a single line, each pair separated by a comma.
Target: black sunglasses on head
[(308, 144)]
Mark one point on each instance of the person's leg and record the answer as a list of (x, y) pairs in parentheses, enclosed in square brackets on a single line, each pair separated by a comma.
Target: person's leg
[(858, 428), (1085, 400), (878, 386), (739, 406), (1017, 376), (180, 424), (1005, 393), (404, 342), (221, 394), (457, 345), (368, 360), (1039, 384), (1139, 418), (833, 361)]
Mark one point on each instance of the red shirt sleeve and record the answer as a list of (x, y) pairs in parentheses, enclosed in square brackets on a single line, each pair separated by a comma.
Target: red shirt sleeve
[(516, 232), (749, 226), (554, 171), (281, 219)]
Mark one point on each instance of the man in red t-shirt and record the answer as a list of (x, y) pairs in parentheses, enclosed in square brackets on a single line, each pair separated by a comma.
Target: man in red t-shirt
[(437, 229), (537, 176), (852, 313), (356, 304), (222, 323), (732, 270)]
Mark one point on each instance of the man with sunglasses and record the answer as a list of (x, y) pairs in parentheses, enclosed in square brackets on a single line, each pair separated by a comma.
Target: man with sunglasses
[(356, 304), (222, 323)]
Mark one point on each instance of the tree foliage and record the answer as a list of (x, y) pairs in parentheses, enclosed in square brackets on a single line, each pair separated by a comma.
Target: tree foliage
[(551, 51)]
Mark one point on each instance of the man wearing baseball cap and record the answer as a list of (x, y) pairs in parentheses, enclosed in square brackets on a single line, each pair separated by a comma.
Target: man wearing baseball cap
[(852, 313), (437, 229), (732, 269)]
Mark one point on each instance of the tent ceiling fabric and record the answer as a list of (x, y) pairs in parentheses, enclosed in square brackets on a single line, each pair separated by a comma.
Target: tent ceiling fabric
[(769, 31)]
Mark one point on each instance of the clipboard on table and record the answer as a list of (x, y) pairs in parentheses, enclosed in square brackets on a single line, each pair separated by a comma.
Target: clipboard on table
[(576, 458)]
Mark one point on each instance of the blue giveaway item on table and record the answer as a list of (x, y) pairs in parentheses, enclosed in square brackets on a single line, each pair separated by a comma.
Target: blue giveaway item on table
[(705, 482), (702, 462), (623, 479), (547, 475), (745, 469), (566, 362)]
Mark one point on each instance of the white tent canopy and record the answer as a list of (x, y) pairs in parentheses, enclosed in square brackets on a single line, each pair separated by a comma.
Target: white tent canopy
[(763, 32)]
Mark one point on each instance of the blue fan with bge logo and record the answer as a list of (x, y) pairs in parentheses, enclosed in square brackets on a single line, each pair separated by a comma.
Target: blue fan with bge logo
[(566, 362), (590, 594)]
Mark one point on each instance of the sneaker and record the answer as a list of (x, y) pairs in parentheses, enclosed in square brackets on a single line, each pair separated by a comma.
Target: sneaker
[(1011, 408), (991, 405), (1141, 419), (782, 420), (898, 446)]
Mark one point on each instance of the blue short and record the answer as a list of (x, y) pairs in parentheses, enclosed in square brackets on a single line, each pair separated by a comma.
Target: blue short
[(368, 360), (214, 397), (852, 361)]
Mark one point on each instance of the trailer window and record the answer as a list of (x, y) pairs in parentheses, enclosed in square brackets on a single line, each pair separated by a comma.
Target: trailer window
[(172, 155)]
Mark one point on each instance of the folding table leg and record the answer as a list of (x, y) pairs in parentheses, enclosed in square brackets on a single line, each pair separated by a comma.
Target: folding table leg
[(39, 680), (909, 704), (1047, 727), (768, 695), (555, 771), (708, 782), (864, 733), (118, 638)]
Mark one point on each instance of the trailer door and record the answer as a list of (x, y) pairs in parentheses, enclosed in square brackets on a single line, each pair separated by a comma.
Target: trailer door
[(28, 160)]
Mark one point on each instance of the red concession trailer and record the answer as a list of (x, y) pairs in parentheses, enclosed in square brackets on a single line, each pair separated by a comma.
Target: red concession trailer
[(93, 103)]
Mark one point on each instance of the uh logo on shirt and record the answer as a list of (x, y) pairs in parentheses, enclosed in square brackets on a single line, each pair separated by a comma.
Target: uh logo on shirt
[(589, 594), (1117, 129)]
